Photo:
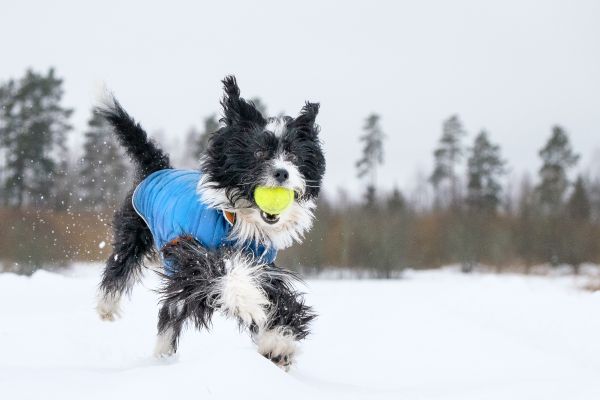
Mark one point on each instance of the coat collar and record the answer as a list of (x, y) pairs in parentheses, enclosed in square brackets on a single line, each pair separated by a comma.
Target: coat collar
[(229, 217)]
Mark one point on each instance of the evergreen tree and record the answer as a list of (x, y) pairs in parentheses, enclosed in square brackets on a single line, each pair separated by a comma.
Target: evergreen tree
[(64, 182), (579, 206), (6, 126), (103, 171), (33, 134), (576, 229), (372, 155), (557, 158), (447, 156), (211, 125), (485, 166), (396, 201), (594, 194)]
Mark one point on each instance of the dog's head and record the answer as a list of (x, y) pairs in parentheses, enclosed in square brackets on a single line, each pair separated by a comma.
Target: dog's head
[(251, 150)]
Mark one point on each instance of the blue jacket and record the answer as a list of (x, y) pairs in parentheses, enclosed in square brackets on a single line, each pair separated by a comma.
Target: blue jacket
[(168, 202)]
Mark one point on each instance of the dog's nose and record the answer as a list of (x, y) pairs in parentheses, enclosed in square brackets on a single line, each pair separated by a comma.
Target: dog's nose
[(281, 175)]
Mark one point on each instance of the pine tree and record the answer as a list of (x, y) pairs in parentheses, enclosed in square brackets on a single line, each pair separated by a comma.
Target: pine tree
[(579, 206), (103, 171), (6, 126), (577, 230), (557, 158), (447, 156), (372, 155), (211, 125), (396, 201), (485, 166), (33, 134)]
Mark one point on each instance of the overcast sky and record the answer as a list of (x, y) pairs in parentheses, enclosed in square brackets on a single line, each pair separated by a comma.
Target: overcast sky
[(514, 68)]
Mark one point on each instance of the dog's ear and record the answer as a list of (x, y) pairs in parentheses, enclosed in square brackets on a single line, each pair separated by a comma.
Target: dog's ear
[(306, 120), (236, 110)]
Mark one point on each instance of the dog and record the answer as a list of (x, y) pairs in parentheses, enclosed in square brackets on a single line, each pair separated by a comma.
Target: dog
[(216, 244)]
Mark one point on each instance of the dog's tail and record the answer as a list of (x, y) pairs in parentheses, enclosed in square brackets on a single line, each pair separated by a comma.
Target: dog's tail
[(145, 154)]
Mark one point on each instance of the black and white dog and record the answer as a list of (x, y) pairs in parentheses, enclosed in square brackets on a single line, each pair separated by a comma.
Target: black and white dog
[(231, 275)]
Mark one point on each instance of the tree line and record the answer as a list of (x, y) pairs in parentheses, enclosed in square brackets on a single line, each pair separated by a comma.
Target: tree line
[(57, 203), (472, 219)]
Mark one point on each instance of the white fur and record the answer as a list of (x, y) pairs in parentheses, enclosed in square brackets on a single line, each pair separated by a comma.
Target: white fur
[(292, 225), (108, 307), (277, 342), (164, 344), (239, 293), (276, 125), (295, 180), (102, 94)]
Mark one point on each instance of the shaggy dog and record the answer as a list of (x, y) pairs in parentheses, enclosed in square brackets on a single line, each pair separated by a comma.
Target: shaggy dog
[(217, 246)]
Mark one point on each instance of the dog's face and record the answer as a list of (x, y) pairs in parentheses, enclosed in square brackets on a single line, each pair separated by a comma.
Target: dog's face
[(250, 150)]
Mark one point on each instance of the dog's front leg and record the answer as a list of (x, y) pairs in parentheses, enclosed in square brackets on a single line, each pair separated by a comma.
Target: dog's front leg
[(170, 322), (239, 292), (288, 318), (201, 281)]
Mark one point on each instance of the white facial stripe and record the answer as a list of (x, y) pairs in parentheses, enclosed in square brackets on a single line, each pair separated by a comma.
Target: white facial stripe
[(295, 180), (276, 125)]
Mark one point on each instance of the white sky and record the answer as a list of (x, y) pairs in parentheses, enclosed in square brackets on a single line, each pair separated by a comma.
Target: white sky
[(512, 67)]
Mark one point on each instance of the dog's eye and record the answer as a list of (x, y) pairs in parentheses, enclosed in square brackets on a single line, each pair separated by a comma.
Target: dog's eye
[(259, 154)]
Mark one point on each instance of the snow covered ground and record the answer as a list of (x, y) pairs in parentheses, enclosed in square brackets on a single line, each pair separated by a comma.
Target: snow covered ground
[(433, 335)]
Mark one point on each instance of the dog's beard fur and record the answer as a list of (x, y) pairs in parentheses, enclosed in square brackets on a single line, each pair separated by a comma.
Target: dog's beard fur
[(249, 226)]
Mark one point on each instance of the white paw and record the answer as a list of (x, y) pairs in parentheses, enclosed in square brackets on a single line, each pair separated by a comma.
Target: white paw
[(164, 344), (108, 307), (279, 346), (239, 292)]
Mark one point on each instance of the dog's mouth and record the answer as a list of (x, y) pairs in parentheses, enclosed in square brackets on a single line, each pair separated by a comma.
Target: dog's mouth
[(269, 218), (274, 218)]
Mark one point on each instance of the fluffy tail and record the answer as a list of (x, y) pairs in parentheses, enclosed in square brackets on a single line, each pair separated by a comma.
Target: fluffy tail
[(147, 157)]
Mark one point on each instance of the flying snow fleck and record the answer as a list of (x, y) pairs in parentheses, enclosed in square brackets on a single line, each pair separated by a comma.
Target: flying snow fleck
[(102, 244)]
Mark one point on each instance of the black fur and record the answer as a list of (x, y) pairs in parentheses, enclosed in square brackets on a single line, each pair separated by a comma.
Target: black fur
[(287, 307), (132, 240), (186, 294), (143, 151), (132, 243), (237, 110)]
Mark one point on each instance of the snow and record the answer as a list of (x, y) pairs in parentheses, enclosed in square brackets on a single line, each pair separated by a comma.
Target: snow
[(432, 335)]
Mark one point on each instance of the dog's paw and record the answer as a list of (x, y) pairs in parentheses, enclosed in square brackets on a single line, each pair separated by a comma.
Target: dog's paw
[(108, 308), (283, 361), (278, 345), (165, 352), (164, 345)]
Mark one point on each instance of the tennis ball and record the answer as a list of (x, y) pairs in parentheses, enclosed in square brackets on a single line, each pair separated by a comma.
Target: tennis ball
[(273, 200)]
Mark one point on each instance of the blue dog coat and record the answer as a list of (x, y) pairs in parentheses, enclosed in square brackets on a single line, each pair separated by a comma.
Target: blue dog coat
[(167, 200)]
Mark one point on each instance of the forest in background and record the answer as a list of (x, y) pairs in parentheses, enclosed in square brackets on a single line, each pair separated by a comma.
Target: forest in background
[(56, 203)]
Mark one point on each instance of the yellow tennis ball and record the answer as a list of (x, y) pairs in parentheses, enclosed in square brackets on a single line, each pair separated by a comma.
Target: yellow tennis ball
[(273, 200)]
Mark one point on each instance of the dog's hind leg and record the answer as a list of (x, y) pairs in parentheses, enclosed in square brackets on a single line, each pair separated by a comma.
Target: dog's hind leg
[(132, 244), (288, 318)]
